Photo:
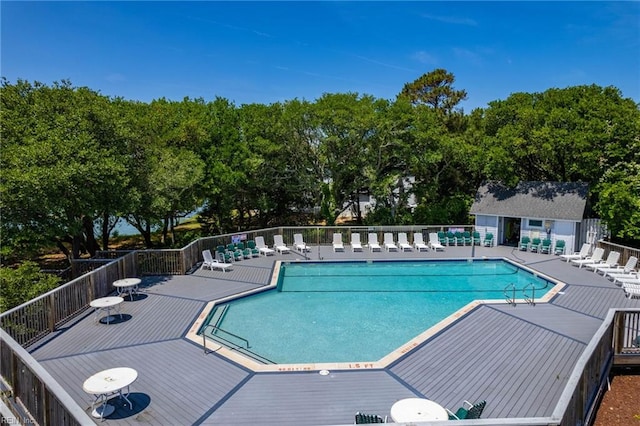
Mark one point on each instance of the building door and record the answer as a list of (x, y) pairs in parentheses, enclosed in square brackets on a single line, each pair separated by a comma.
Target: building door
[(511, 231)]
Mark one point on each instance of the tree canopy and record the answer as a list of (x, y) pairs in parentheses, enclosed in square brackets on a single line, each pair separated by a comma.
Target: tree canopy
[(75, 162)]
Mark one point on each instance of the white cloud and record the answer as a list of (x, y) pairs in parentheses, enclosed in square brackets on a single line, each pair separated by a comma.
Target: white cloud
[(452, 20), (424, 57)]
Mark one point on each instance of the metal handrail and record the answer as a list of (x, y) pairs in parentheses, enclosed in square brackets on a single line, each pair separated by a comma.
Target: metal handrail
[(233, 345), (510, 300), (530, 300)]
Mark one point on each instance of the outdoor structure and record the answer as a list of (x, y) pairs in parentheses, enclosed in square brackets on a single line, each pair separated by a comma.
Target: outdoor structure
[(553, 210)]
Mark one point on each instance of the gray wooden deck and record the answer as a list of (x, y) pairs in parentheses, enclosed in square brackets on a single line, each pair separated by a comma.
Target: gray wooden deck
[(517, 358)]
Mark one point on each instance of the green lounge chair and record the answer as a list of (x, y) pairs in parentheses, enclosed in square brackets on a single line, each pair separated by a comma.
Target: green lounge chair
[(476, 238), (545, 247), (559, 248), (223, 255), (451, 239), (459, 238), (466, 236), (524, 243), (251, 245), (535, 245), (468, 411), (488, 240), (442, 237)]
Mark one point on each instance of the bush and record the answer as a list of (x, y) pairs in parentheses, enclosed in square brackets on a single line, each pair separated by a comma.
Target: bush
[(22, 284)]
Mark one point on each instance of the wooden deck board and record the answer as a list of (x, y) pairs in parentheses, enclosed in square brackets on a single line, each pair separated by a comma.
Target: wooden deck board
[(517, 358)]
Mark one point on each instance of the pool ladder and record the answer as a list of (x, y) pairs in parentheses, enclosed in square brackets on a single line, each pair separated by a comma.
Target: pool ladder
[(510, 294)]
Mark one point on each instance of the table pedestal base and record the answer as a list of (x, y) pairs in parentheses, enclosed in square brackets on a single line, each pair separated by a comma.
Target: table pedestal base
[(103, 410)]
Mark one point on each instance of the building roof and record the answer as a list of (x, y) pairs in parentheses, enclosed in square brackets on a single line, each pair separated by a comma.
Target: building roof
[(540, 200)]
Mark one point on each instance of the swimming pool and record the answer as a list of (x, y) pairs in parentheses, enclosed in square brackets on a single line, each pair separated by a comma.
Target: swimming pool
[(346, 311)]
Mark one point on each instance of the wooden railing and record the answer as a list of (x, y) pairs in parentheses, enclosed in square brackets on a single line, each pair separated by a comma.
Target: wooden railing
[(31, 388), (625, 251)]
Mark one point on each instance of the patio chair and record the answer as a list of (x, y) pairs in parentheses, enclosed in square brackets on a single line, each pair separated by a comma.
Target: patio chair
[(389, 244), (610, 262), (223, 255), (559, 248), (524, 243), (403, 242), (211, 263), (631, 279), (468, 411), (466, 238), (534, 247), (279, 245), (631, 290), (475, 239), (626, 269), (338, 245), (582, 254), (545, 246), (434, 242), (459, 238), (251, 245), (366, 419), (418, 242), (373, 242), (596, 257), (442, 237), (299, 244), (356, 245), (451, 238), (262, 247), (488, 240)]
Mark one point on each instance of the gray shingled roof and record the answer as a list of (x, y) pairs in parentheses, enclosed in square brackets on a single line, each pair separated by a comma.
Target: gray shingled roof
[(540, 200)]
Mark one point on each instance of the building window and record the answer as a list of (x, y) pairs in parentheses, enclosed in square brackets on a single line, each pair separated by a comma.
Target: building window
[(533, 223)]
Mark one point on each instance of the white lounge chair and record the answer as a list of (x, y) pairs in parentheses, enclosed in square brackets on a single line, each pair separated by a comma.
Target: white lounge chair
[(626, 269), (418, 242), (279, 245), (403, 242), (211, 263), (632, 290), (610, 262), (389, 244), (582, 254), (434, 242), (373, 242), (595, 258), (633, 279), (262, 247), (356, 245), (338, 245), (299, 244)]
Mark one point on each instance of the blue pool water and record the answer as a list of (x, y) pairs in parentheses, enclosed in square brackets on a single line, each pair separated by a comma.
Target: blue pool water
[(359, 311)]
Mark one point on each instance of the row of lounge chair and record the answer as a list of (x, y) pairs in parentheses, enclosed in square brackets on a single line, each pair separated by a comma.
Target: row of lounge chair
[(389, 244), (625, 276), (464, 238), (538, 245)]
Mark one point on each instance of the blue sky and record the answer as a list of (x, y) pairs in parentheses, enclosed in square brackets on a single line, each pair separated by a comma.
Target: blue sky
[(266, 52)]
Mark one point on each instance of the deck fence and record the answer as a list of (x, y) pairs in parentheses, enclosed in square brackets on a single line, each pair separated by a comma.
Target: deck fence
[(30, 390)]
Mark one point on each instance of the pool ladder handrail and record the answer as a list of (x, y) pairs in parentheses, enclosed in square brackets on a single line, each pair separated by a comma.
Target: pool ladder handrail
[(232, 345), (510, 300), (530, 299)]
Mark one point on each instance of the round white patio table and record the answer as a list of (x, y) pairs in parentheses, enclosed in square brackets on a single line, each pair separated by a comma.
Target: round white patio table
[(417, 410), (107, 383), (127, 285), (107, 303)]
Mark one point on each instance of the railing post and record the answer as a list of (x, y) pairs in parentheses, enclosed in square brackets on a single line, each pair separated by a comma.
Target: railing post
[(51, 312)]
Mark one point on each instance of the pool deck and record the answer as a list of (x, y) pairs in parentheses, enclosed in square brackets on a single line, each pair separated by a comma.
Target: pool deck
[(517, 358)]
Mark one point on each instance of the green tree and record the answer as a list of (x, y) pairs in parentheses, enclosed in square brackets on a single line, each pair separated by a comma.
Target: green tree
[(60, 156), (434, 89), (22, 284)]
